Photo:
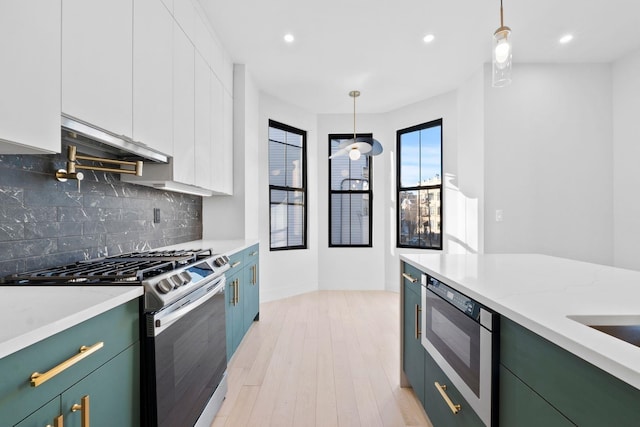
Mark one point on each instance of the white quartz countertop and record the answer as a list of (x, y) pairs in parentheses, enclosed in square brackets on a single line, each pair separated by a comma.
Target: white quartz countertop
[(219, 247), (30, 314), (540, 292)]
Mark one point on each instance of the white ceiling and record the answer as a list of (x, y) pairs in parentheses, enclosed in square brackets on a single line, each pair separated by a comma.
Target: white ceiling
[(376, 46)]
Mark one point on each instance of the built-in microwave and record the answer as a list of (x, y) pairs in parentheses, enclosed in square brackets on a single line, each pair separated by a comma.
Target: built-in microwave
[(461, 335)]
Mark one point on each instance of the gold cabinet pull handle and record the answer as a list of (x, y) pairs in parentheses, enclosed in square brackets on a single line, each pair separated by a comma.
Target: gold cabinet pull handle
[(443, 392), (235, 264), (237, 291), (409, 277), (254, 274), (57, 422), (254, 253), (417, 323), (83, 407), (38, 378)]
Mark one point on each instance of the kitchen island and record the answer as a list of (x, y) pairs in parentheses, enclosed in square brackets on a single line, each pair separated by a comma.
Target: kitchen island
[(547, 351)]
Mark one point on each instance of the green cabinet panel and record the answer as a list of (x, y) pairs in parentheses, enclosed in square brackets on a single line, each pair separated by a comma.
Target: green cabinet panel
[(113, 390), (413, 352), (243, 295), (117, 328), (520, 406), (436, 407), (43, 416), (251, 301), (585, 394)]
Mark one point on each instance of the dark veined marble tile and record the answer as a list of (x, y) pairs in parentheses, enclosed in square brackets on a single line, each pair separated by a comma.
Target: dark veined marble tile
[(39, 230), (27, 214), (125, 226), (93, 227), (114, 239), (11, 196), (71, 243), (63, 258), (52, 198), (11, 267), (11, 231), (101, 201), (69, 214), (27, 248)]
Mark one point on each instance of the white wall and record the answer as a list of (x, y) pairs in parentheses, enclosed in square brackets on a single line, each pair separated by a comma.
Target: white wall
[(352, 268), (626, 161), (444, 107), (291, 272), (548, 162)]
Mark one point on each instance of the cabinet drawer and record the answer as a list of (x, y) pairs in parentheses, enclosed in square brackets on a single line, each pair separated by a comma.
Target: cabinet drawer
[(117, 328), (585, 394), (252, 253), (435, 405), (236, 261), (411, 277)]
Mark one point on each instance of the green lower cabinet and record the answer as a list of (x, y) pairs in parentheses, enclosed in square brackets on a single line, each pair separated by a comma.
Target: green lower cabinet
[(582, 392), (436, 407), (234, 312), (251, 301), (111, 393), (44, 416), (413, 352), (522, 407)]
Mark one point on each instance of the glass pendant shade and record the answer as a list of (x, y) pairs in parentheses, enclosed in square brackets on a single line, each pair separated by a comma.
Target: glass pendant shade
[(354, 153), (502, 57)]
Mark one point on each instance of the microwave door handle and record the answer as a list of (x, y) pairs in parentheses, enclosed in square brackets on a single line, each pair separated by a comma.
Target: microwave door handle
[(163, 322)]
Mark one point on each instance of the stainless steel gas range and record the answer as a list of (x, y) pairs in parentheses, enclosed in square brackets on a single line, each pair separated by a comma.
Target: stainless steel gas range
[(183, 319)]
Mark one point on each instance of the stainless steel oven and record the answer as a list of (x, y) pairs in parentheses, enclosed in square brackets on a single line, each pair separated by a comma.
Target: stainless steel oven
[(461, 336), (186, 359)]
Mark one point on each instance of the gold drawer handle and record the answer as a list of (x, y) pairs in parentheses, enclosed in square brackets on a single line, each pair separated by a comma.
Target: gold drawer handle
[(417, 323), (442, 389), (254, 253), (84, 408), (409, 277), (235, 264), (38, 378), (57, 422)]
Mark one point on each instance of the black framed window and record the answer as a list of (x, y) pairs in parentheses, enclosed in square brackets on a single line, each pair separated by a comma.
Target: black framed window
[(350, 197), (419, 186), (287, 187)]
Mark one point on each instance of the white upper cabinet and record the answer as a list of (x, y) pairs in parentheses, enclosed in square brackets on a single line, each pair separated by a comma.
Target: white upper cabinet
[(30, 83), (183, 108), (97, 76), (222, 152), (185, 14), (203, 148), (226, 151), (153, 75)]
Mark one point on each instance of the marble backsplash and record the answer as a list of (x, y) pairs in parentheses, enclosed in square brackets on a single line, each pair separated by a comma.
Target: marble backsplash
[(45, 223)]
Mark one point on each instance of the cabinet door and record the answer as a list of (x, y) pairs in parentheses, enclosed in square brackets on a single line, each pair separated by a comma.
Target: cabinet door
[(153, 75), (234, 312), (252, 288), (113, 392), (413, 351), (521, 406), (47, 415), (220, 155), (226, 183), (97, 51), (203, 149), (183, 108), (30, 84)]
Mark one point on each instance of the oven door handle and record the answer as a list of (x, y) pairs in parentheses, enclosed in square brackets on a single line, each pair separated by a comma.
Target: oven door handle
[(162, 322)]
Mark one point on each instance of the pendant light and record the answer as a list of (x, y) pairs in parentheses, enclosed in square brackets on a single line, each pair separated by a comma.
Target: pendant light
[(502, 54), (357, 146)]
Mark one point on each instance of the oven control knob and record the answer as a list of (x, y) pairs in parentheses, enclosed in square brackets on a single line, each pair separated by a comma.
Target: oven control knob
[(186, 277), (164, 286), (220, 261)]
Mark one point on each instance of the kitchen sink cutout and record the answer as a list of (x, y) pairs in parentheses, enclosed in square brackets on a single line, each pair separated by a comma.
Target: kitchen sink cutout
[(625, 328)]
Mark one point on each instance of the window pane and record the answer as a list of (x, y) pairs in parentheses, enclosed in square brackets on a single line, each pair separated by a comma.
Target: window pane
[(410, 159), (430, 155), (350, 219), (277, 164), (294, 166), (287, 218), (345, 172), (420, 221)]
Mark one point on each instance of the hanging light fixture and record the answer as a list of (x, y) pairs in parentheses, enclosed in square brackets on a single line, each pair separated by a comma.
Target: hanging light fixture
[(357, 146), (502, 52)]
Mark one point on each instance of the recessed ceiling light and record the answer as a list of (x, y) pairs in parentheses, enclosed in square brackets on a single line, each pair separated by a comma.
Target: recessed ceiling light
[(429, 38), (289, 38), (566, 38)]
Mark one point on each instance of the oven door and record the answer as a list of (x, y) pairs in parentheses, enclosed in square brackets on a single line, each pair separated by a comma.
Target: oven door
[(186, 356), (462, 348)]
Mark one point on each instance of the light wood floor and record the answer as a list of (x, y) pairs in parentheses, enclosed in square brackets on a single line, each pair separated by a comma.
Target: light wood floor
[(328, 358)]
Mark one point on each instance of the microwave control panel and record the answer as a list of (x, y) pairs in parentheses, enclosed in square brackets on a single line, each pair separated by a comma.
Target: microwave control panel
[(462, 302)]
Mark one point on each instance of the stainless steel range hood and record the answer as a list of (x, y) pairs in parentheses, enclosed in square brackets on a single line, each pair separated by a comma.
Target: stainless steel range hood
[(95, 141)]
